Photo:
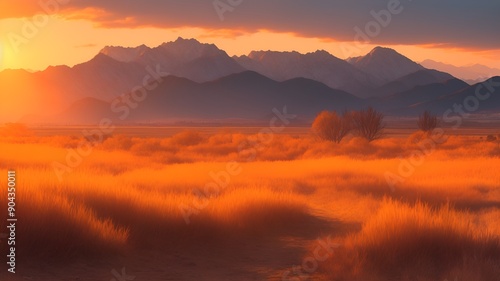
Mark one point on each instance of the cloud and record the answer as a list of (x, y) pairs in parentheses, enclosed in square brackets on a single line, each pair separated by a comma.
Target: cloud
[(467, 24)]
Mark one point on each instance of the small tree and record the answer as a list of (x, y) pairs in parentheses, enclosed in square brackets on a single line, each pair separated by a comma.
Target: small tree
[(491, 138), (427, 122), (332, 127), (368, 123)]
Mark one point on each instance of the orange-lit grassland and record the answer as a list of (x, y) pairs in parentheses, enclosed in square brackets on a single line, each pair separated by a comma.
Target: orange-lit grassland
[(121, 208)]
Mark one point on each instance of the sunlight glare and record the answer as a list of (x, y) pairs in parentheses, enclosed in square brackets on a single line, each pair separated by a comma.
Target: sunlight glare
[(1, 56)]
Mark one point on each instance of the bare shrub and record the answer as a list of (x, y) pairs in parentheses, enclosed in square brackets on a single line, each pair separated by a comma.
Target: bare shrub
[(368, 123), (491, 138), (427, 122), (146, 147), (118, 142), (186, 138), (332, 127)]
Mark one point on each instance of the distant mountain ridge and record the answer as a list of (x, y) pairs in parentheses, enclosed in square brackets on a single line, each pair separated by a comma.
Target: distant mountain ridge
[(251, 96), (198, 68), (410, 81), (467, 98), (247, 95), (385, 64), (182, 57), (403, 103), (320, 66), (471, 74)]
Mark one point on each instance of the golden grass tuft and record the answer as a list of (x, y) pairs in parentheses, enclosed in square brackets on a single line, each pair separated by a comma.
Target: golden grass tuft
[(417, 242)]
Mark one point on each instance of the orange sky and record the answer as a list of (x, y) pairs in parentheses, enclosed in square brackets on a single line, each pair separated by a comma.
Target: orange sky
[(65, 41)]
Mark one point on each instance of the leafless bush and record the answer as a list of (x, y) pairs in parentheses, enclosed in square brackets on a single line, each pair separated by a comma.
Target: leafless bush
[(368, 123), (491, 138), (427, 122), (332, 127)]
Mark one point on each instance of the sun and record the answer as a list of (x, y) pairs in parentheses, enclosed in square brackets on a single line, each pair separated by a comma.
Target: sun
[(1, 55), (6, 56)]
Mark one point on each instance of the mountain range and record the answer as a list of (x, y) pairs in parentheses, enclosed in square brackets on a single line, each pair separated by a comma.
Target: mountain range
[(183, 57), (320, 66), (242, 96), (385, 64), (472, 74), (202, 82)]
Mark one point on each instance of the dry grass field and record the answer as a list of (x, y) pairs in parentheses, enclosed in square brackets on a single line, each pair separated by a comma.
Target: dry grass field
[(233, 206)]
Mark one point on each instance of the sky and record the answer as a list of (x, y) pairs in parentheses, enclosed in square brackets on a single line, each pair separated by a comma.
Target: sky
[(37, 33)]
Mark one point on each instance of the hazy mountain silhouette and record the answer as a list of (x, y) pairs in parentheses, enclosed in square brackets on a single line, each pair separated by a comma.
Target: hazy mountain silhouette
[(468, 96), (247, 95), (320, 66), (402, 102), (56, 87), (471, 74), (84, 111), (441, 97), (385, 64), (408, 82)]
